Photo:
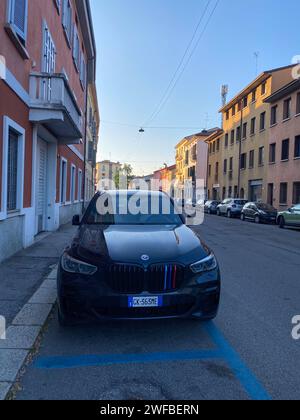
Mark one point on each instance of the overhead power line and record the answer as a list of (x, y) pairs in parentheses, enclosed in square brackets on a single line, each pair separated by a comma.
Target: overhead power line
[(152, 127), (178, 74)]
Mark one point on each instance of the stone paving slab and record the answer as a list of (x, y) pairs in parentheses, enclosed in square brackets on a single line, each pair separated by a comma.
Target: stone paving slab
[(11, 362), (4, 389), (33, 314), (20, 337), (44, 295)]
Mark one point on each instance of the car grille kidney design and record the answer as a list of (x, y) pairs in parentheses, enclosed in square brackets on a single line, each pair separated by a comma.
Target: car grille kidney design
[(130, 279)]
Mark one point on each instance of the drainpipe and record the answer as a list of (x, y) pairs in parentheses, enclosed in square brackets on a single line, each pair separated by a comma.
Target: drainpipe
[(85, 133), (240, 151)]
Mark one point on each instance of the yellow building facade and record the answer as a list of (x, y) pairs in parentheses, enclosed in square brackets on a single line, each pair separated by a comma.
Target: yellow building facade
[(238, 158)]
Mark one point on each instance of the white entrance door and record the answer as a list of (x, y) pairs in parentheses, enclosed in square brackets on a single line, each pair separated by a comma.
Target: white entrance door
[(41, 186)]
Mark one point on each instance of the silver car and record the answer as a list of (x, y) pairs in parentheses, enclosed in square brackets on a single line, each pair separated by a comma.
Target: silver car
[(231, 207)]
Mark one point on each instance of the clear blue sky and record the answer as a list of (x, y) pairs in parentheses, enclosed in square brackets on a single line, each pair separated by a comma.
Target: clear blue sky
[(140, 44)]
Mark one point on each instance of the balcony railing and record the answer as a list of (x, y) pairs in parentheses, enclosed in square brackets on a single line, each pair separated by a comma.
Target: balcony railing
[(53, 104)]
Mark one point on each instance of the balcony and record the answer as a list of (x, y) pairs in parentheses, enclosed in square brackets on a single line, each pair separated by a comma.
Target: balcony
[(53, 104)]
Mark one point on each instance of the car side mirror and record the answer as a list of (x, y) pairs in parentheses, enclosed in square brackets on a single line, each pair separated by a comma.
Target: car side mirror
[(76, 220)]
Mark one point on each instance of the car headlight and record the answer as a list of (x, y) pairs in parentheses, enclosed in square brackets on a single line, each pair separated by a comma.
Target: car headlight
[(207, 264), (71, 265)]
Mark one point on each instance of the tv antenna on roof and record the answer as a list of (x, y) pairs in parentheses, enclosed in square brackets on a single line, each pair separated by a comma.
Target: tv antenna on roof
[(256, 56)]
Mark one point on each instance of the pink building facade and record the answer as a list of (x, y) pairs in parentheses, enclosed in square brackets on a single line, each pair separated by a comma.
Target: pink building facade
[(284, 147)]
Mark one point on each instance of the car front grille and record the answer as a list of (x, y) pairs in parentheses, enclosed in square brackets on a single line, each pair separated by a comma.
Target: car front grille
[(131, 279)]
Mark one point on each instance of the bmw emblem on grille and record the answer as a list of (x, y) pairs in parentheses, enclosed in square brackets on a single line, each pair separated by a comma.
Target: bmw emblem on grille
[(145, 258)]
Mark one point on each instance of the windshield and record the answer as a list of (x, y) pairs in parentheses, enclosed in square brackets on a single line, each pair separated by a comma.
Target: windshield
[(265, 207), (132, 209), (240, 202)]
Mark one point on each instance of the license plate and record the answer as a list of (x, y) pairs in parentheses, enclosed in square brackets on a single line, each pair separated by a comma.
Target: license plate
[(145, 302)]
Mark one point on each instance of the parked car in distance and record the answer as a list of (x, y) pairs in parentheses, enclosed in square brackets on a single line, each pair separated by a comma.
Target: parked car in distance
[(149, 265), (259, 213), (231, 207), (290, 217), (211, 206)]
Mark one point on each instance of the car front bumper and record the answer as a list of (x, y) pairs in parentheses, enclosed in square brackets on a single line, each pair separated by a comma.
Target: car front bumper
[(89, 298)]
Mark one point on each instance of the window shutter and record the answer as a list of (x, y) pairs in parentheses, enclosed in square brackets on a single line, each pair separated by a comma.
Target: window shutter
[(19, 17)]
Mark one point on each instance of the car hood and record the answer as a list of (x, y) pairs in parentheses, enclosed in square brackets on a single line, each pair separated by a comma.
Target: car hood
[(139, 244)]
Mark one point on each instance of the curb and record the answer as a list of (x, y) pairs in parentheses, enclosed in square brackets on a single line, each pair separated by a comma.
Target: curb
[(24, 331)]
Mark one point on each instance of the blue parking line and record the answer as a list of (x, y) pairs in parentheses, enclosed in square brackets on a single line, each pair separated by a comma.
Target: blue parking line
[(250, 383), (117, 359), (223, 351)]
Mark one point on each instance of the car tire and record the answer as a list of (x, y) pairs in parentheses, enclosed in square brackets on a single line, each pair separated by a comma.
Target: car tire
[(209, 211), (257, 220), (281, 223), (63, 319), (229, 215), (218, 213), (243, 218)]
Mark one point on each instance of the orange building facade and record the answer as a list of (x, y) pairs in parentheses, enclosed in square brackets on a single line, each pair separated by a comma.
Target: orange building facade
[(47, 61)]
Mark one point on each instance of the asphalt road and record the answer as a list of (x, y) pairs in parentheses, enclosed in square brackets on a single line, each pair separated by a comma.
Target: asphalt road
[(247, 353)]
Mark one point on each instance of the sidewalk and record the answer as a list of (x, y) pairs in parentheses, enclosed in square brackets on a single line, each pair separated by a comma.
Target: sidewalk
[(21, 275)]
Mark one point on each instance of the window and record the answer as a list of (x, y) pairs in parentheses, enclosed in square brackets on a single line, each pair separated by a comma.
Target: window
[(243, 161), (285, 150), (230, 191), (245, 125), (251, 159), (233, 110), (272, 155), (67, 19), (49, 52), (296, 193), (253, 126), (254, 96), (231, 164), (82, 71), (12, 168), (76, 49), (298, 104), (238, 134), (245, 102), (57, 4), (297, 147), (236, 191), (283, 193), (209, 170), (214, 147), (63, 180), (274, 115), (227, 115), (225, 166), (264, 88), (262, 121), (287, 109), (73, 183), (232, 137), (226, 140), (18, 17), (261, 156), (218, 145), (224, 193)]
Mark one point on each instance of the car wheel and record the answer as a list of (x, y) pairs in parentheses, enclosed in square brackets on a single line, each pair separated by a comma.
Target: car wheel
[(209, 211), (281, 223), (229, 215), (218, 213), (243, 218), (63, 319), (257, 220)]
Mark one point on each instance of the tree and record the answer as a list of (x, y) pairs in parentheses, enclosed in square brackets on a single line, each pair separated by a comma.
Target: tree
[(125, 171)]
